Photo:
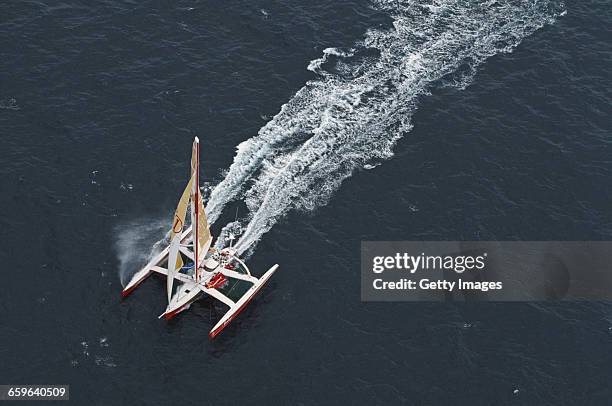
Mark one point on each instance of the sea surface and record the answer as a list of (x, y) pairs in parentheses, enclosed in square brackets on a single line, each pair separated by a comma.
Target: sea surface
[(322, 124)]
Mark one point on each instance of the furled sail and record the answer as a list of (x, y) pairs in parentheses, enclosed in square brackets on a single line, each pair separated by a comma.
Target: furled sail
[(174, 259)]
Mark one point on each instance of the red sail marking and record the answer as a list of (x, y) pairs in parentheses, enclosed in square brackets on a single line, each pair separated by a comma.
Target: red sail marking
[(178, 225)]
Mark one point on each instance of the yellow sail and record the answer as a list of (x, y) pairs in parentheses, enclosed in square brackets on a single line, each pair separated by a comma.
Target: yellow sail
[(181, 210), (179, 262), (178, 222)]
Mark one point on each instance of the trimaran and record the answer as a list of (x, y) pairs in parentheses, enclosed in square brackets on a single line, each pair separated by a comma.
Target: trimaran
[(195, 265)]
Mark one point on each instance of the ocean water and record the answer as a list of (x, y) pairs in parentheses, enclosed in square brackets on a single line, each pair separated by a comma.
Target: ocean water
[(323, 124)]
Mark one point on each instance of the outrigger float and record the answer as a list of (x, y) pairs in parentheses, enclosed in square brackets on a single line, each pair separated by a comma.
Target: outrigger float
[(197, 267)]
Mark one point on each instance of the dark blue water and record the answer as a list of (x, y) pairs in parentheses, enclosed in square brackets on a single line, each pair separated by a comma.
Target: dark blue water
[(503, 133)]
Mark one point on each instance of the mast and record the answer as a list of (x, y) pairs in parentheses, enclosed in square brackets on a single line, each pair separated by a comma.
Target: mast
[(196, 241), (200, 233)]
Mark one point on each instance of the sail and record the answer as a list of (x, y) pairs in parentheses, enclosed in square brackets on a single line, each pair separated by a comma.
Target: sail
[(178, 221), (174, 258)]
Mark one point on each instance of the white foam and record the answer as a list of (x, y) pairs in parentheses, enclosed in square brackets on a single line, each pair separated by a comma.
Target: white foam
[(352, 116), (316, 64), (339, 123)]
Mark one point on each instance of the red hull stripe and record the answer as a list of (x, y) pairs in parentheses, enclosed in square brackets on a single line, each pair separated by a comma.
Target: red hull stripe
[(173, 313), (213, 333), (129, 290)]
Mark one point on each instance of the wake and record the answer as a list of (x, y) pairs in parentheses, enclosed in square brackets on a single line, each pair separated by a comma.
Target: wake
[(363, 102)]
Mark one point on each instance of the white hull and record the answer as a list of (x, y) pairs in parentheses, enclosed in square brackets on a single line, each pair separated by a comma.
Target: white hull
[(189, 291), (240, 304), (184, 296)]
